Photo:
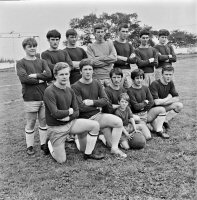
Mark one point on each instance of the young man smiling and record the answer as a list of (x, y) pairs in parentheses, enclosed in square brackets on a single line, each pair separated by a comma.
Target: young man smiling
[(141, 102), (165, 94), (33, 74), (91, 96)]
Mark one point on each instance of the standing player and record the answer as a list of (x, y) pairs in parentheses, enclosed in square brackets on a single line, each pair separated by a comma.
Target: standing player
[(33, 74), (166, 54), (165, 94), (76, 54), (103, 54), (142, 102), (90, 96), (147, 58), (54, 55), (125, 54), (61, 117)]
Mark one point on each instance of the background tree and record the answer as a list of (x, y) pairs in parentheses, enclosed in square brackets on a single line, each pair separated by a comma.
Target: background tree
[(111, 22)]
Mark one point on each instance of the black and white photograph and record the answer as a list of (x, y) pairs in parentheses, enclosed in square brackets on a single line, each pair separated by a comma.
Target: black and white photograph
[(98, 99)]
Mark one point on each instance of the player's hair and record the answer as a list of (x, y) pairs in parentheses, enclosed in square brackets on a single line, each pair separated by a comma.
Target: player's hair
[(124, 96), (53, 33), (59, 66), (116, 71), (144, 32), (137, 72), (98, 26), (29, 41), (85, 62), (164, 32), (71, 32), (124, 25), (167, 68)]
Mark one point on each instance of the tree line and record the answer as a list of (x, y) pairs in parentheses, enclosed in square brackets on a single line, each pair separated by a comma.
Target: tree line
[(111, 22)]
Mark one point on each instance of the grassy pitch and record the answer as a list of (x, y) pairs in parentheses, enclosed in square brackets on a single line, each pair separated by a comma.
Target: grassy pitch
[(165, 169)]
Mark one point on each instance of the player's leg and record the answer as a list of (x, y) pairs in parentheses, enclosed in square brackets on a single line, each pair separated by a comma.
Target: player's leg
[(126, 81), (115, 123), (59, 153), (42, 126), (173, 109), (29, 131), (144, 129), (158, 73), (86, 142), (156, 116)]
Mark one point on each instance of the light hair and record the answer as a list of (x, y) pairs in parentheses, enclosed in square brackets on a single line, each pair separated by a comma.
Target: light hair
[(59, 66)]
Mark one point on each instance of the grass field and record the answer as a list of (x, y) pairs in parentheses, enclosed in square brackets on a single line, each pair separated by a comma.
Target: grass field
[(165, 169)]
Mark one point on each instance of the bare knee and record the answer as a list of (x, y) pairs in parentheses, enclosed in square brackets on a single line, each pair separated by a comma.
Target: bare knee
[(95, 127), (117, 122), (160, 110), (30, 124), (178, 107)]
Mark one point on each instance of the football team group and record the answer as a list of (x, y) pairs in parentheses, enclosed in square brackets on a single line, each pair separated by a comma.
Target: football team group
[(111, 92)]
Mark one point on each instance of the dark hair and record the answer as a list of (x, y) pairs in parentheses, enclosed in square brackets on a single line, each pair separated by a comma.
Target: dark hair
[(137, 72), (29, 41), (167, 68), (59, 66), (144, 32), (85, 62), (164, 32), (124, 25), (71, 32), (116, 71), (98, 26), (124, 96), (53, 33)]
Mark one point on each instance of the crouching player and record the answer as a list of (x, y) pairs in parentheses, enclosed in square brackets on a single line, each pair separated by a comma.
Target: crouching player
[(165, 94), (33, 74), (142, 102), (136, 132), (61, 113)]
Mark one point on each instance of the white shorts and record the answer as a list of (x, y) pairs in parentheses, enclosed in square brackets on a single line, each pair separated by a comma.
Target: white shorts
[(33, 106)]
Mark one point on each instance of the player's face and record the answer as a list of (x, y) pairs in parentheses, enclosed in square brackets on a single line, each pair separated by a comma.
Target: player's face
[(144, 39), (87, 72), (124, 32), (123, 103), (138, 81), (30, 50), (116, 79), (163, 39), (54, 42), (62, 76), (167, 76), (99, 34), (72, 39)]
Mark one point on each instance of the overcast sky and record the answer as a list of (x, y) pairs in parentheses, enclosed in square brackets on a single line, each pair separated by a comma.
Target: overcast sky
[(36, 17)]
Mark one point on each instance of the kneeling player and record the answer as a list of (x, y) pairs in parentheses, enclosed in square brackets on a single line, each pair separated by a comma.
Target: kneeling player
[(142, 103), (165, 94), (61, 113)]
